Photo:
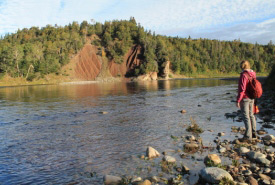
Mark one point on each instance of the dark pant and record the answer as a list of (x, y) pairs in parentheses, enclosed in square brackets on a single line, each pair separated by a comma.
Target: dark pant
[(248, 117)]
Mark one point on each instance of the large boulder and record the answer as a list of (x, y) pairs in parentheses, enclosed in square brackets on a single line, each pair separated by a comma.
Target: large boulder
[(152, 153), (212, 159), (148, 77), (214, 174)]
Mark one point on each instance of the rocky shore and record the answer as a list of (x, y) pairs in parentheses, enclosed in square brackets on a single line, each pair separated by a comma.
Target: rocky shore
[(226, 161)]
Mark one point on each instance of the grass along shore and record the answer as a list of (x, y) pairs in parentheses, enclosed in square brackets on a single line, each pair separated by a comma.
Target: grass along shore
[(6, 81)]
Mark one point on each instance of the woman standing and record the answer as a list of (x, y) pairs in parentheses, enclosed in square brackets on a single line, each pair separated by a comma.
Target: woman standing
[(245, 103)]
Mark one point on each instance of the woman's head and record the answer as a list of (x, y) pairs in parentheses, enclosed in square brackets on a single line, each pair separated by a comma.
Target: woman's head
[(245, 65)]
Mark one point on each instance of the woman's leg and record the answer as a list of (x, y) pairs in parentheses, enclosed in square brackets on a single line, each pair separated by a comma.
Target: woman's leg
[(252, 117), (246, 118)]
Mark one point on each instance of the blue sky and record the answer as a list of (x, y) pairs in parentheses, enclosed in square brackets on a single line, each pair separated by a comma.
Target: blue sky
[(248, 20)]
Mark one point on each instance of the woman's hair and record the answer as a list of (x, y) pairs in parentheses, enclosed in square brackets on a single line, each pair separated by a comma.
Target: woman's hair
[(245, 65)]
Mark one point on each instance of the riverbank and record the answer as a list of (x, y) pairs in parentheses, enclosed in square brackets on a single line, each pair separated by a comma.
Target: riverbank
[(226, 161)]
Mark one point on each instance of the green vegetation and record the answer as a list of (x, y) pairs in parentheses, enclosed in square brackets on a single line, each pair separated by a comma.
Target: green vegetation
[(35, 52), (210, 163), (270, 82), (194, 127), (226, 181)]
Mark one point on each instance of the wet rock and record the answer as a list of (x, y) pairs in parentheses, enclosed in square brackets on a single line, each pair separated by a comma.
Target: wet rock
[(231, 115), (268, 137), (268, 126), (183, 111), (243, 150), (252, 181), (191, 147), (261, 132), (212, 159), (103, 112), (111, 180), (221, 134), (266, 182), (185, 170), (214, 174), (152, 153), (146, 182), (169, 159)]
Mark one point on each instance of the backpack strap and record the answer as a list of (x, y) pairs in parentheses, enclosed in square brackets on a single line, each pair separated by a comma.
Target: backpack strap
[(247, 75)]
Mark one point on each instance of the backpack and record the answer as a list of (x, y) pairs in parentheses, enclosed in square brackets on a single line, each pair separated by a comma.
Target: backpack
[(254, 87)]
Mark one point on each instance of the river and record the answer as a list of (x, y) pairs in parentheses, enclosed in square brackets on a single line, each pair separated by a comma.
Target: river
[(61, 134)]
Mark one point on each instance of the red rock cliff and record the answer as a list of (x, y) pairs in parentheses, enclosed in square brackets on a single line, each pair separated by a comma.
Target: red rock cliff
[(130, 62), (88, 65)]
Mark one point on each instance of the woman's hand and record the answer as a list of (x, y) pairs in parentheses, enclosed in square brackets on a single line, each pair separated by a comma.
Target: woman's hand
[(238, 105)]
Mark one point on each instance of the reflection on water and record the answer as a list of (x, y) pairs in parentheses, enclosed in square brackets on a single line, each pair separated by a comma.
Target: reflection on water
[(55, 134), (46, 93)]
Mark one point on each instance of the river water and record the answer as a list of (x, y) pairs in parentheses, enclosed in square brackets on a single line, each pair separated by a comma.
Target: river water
[(57, 134)]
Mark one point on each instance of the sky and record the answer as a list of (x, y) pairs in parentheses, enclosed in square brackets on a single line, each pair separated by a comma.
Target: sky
[(248, 20)]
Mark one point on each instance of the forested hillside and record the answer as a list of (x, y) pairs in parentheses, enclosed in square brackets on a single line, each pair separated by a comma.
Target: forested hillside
[(35, 52)]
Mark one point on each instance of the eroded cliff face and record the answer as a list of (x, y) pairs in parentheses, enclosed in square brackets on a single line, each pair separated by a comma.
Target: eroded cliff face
[(131, 61), (87, 63)]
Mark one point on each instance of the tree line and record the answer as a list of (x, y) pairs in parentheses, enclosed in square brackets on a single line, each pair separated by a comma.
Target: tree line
[(35, 52)]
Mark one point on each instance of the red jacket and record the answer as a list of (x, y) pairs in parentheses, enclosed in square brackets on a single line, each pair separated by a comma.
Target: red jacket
[(242, 84)]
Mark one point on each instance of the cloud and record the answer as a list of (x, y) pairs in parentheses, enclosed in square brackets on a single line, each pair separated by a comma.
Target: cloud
[(252, 32), (169, 17)]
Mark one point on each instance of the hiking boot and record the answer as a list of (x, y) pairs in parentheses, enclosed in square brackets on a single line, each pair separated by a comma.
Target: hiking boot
[(254, 136), (245, 140)]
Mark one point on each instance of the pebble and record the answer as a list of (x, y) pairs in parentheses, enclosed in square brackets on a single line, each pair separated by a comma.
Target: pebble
[(267, 170), (183, 111), (243, 150), (262, 160), (252, 181), (169, 159), (137, 179), (264, 177), (221, 134), (246, 172), (222, 150)]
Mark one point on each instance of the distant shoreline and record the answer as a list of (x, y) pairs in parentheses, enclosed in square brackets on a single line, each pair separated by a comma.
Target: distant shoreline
[(16, 82)]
